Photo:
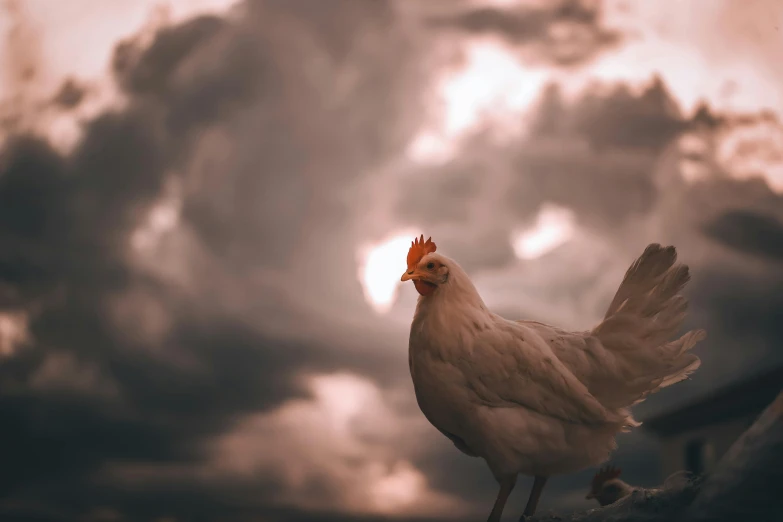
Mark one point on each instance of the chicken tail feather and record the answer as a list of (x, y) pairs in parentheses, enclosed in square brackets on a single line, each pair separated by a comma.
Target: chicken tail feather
[(647, 311)]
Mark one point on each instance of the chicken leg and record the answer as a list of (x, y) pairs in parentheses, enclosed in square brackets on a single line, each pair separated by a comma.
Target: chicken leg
[(535, 494), (506, 485)]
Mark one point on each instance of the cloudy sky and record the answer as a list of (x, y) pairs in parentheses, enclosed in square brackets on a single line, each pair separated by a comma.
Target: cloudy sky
[(205, 208)]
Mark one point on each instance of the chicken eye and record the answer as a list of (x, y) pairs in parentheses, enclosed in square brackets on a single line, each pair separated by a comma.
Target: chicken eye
[(430, 265)]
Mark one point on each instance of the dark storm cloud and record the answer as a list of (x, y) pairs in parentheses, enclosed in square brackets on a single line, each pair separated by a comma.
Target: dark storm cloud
[(253, 115), (553, 173), (442, 196), (63, 223), (587, 153), (617, 119), (564, 33), (748, 231), (201, 71), (70, 94), (622, 120)]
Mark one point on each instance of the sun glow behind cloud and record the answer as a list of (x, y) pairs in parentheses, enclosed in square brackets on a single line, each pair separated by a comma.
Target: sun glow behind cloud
[(754, 150), (162, 218), (492, 85), (380, 267), (721, 52), (13, 332), (554, 226)]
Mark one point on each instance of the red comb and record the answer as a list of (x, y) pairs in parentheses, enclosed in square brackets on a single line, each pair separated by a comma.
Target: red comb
[(418, 250), (604, 474)]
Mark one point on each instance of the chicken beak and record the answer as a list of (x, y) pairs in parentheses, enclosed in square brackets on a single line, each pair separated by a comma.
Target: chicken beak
[(414, 274), (407, 276)]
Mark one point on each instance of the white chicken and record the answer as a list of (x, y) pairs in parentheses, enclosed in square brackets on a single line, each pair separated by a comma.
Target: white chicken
[(531, 398)]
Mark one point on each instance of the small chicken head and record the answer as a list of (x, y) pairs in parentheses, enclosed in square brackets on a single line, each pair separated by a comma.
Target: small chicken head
[(426, 269), (606, 488)]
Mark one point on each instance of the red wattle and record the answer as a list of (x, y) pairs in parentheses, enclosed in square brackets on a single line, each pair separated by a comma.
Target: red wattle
[(424, 288)]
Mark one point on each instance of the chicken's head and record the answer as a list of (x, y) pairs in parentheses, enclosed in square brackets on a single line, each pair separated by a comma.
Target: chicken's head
[(606, 487), (426, 269)]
